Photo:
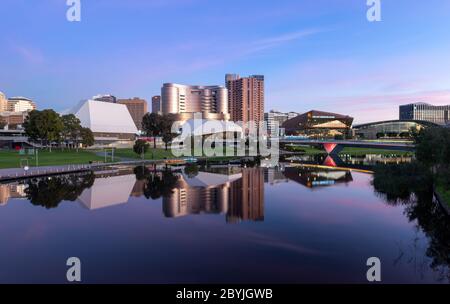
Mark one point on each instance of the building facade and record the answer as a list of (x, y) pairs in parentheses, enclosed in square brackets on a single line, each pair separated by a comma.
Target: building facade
[(13, 120), (319, 125), (425, 112), (245, 98), (20, 104), (275, 120), (105, 98), (3, 103), (186, 100), (392, 129), (156, 104), (137, 107), (111, 123)]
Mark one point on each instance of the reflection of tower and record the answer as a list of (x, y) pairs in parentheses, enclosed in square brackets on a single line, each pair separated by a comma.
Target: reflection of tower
[(11, 191), (207, 192), (247, 197), (275, 176), (4, 194)]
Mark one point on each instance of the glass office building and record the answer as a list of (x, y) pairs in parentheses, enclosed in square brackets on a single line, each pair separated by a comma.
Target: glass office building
[(425, 112)]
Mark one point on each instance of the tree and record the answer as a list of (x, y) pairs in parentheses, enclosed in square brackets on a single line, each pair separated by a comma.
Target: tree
[(31, 126), (191, 170), (45, 126), (380, 135), (156, 184), (51, 126), (166, 128), (87, 137), (433, 147), (141, 147), (151, 124), (71, 129), (49, 193)]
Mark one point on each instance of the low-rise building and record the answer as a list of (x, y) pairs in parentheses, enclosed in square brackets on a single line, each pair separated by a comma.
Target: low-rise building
[(425, 112), (105, 98), (13, 120), (20, 104), (111, 123), (275, 120), (391, 129), (319, 125)]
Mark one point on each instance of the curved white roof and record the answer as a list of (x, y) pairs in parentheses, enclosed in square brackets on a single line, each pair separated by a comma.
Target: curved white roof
[(105, 117)]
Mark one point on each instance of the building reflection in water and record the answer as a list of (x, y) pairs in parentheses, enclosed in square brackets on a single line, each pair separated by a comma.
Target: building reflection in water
[(239, 194), (313, 177), (11, 191), (236, 192), (107, 192)]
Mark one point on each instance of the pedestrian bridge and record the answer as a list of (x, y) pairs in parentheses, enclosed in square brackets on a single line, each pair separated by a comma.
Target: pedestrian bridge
[(336, 146)]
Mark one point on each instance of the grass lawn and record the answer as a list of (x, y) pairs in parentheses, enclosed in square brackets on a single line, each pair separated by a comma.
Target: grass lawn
[(12, 159), (364, 151), (157, 154)]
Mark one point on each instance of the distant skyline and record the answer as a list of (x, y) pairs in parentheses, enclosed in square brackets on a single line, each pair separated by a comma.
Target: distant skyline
[(320, 54)]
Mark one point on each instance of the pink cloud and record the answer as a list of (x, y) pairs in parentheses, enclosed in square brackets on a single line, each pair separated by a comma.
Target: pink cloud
[(30, 55)]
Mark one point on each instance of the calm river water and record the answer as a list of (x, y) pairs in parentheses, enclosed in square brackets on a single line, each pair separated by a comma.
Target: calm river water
[(293, 224)]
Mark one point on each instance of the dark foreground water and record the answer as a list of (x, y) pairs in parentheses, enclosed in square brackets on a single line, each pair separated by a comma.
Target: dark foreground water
[(295, 225)]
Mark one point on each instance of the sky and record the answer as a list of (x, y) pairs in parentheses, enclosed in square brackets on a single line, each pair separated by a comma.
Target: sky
[(321, 54)]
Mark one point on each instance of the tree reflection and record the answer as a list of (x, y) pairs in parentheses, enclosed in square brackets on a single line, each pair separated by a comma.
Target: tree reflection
[(404, 182), (49, 192), (412, 185), (191, 170), (157, 184)]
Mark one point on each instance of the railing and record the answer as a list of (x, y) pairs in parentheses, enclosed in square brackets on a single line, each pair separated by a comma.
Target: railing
[(42, 171)]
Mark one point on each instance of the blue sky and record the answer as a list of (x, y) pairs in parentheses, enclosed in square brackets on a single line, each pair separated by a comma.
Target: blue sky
[(320, 54)]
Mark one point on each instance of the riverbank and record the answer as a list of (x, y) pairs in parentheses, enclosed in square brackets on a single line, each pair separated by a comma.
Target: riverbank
[(308, 150), (19, 173), (443, 197), (10, 159), (10, 174)]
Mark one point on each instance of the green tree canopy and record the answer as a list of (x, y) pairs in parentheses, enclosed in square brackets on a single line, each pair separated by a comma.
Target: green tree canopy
[(433, 146), (151, 125), (44, 126), (87, 137), (166, 128), (140, 147), (72, 127)]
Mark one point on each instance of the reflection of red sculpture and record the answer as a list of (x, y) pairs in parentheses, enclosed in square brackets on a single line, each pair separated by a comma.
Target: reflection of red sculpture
[(329, 162), (329, 147)]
